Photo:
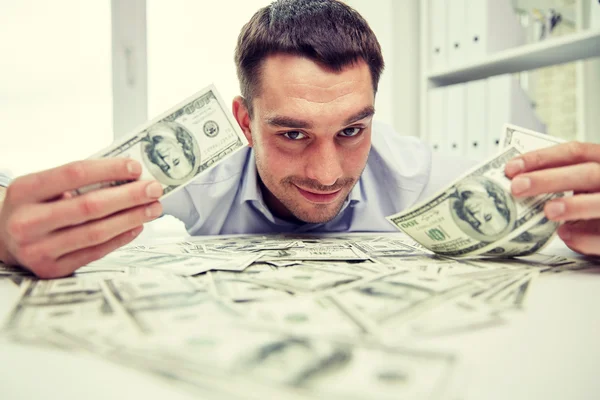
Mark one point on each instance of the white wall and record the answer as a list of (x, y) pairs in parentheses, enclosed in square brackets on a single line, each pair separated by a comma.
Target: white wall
[(55, 83), (190, 45)]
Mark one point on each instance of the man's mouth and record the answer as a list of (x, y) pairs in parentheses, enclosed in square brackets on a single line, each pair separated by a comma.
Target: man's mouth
[(319, 197)]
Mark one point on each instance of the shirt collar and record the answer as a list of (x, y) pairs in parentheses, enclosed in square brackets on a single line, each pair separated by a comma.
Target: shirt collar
[(250, 190)]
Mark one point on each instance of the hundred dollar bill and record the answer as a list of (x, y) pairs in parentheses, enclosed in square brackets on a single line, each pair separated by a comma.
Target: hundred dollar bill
[(73, 301), (474, 212), (165, 305), (184, 141), (525, 139), (539, 233), (528, 240)]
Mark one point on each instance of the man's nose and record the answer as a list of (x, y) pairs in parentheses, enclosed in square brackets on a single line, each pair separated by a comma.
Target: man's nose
[(324, 164)]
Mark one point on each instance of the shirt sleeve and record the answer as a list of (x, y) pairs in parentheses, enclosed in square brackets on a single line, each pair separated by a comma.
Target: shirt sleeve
[(5, 177), (444, 169)]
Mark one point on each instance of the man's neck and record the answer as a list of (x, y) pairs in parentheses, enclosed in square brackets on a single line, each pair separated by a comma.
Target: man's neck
[(275, 206)]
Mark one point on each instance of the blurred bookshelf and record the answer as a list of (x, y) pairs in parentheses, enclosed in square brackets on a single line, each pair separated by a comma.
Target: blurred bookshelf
[(553, 51), (558, 69)]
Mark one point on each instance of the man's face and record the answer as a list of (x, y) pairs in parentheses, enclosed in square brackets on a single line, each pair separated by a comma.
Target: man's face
[(482, 209), (311, 133), (171, 158)]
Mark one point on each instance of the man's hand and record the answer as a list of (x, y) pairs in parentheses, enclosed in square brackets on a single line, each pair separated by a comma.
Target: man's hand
[(565, 167), (47, 230)]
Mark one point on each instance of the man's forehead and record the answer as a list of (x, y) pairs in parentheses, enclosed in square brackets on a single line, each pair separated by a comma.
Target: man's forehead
[(300, 77)]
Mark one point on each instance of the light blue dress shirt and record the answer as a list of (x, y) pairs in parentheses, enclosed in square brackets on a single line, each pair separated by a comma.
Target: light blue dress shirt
[(400, 171)]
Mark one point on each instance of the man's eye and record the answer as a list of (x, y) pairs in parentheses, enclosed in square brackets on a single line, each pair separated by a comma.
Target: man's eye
[(294, 135), (349, 132)]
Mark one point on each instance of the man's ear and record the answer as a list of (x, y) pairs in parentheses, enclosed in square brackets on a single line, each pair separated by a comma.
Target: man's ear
[(242, 116)]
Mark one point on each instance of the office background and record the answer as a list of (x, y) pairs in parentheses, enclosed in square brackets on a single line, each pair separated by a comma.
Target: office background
[(75, 74)]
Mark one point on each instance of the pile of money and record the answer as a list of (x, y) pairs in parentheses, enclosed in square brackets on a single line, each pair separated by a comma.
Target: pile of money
[(331, 316), (477, 216)]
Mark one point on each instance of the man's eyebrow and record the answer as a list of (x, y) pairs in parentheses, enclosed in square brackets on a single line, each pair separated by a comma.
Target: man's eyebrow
[(290, 122), (364, 113)]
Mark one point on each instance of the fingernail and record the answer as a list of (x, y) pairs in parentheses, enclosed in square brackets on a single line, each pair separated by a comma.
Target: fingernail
[(514, 166), (520, 184), (565, 233), (555, 209), (153, 210), (134, 168), (154, 190), (136, 231)]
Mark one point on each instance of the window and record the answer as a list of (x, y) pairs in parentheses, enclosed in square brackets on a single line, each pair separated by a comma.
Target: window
[(191, 45), (55, 82)]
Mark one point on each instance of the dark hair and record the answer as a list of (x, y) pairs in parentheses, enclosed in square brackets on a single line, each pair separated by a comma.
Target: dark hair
[(328, 32)]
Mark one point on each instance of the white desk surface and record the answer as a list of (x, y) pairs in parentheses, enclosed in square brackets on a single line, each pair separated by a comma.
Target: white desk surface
[(551, 350)]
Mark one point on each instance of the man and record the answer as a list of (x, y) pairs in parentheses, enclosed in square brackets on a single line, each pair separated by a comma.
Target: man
[(308, 72)]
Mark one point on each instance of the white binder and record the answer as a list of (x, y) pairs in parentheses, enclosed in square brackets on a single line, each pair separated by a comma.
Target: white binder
[(456, 119), (438, 55), (594, 14), (436, 124), (508, 103), (491, 26), (476, 120), (457, 33)]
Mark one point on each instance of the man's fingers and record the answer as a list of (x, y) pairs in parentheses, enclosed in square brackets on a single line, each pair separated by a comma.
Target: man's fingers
[(68, 263), (43, 218), (583, 177), (86, 235), (51, 184), (582, 236), (578, 207), (100, 231), (555, 156)]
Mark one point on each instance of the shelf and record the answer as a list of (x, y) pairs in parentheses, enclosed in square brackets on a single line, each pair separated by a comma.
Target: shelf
[(573, 47)]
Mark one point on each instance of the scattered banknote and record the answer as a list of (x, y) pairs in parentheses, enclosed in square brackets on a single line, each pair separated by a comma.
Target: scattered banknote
[(326, 252), (525, 139), (181, 143), (177, 263), (276, 316), (477, 215)]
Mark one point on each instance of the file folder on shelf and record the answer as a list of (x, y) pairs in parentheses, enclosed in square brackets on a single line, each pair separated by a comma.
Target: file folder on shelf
[(594, 14), (476, 119), (457, 32), (466, 120), (491, 26), (507, 102), (436, 121), (437, 34), (456, 119)]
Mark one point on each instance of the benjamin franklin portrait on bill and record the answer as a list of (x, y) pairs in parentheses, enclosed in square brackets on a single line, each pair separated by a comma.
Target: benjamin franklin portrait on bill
[(171, 153), (483, 209)]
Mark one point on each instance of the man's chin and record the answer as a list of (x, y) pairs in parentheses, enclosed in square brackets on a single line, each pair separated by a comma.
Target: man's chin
[(318, 214)]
